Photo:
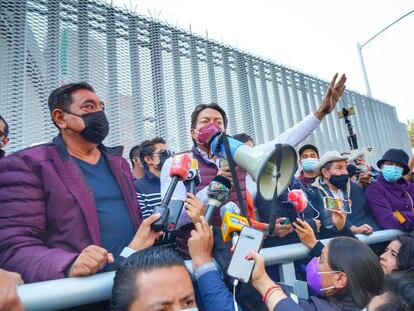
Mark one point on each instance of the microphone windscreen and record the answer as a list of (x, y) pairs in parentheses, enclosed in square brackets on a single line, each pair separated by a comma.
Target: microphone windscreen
[(298, 198), (218, 191), (180, 166), (230, 207), (223, 180)]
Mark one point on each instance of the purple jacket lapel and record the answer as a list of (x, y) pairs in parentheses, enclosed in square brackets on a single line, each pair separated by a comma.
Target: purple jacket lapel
[(126, 186), (72, 177)]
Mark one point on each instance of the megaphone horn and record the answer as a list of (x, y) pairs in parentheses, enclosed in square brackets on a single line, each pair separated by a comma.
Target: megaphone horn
[(260, 164)]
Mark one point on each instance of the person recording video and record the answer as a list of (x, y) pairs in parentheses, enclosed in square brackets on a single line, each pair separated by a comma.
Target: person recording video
[(333, 182)]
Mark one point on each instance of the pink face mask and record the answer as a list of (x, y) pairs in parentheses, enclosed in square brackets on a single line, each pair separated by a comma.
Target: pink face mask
[(207, 132)]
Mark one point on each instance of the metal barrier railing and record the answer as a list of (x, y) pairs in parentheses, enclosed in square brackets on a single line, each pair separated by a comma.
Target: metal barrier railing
[(70, 292)]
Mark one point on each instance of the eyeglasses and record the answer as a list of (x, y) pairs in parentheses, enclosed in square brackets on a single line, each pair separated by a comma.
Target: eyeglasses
[(2, 135)]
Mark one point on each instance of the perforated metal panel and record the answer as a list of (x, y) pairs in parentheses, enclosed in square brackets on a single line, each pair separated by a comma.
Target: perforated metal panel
[(151, 76)]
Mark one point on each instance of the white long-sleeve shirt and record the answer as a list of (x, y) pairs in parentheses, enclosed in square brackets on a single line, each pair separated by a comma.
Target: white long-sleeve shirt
[(292, 136)]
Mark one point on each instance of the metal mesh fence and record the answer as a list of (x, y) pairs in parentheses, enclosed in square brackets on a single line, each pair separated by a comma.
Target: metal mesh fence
[(151, 75)]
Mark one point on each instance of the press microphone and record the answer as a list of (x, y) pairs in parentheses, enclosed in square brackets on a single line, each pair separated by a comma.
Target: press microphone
[(179, 169), (295, 205), (218, 192), (299, 200), (193, 177), (232, 222)]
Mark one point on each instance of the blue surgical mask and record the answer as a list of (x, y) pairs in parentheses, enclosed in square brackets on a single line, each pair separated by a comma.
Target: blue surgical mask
[(392, 173), (309, 164), (363, 168)]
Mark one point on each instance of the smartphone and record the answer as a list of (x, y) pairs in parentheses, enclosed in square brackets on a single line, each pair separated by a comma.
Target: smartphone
[(350, 111), (250, 240), (288, 209), (335, 204)]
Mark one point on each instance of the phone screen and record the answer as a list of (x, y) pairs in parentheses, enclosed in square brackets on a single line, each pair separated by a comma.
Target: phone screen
[(336, 204), (250, 240)]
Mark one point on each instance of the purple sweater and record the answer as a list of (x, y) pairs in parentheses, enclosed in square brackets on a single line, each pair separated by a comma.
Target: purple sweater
[(385, 198), (48, 213)]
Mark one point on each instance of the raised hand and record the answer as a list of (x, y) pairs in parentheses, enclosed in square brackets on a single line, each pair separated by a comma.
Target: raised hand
[(332, 95)]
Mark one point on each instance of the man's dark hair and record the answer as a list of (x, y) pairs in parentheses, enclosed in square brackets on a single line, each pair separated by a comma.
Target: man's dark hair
[(126, 289), (134, 153), (243, 137), (361, 266), (306, 147), (148, 148), (405, 258), (201, 107), (6, 126), (61, 97)]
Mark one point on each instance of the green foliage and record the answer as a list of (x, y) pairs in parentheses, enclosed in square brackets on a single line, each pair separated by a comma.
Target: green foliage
[(410, 130)]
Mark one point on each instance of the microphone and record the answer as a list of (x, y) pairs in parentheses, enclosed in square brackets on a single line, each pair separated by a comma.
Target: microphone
[(295, 205), (193, 177), (232, 222), (299, 200), (179, 169), (218, 192)]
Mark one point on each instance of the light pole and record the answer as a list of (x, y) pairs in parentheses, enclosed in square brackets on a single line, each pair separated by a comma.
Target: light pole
[(360, 46)]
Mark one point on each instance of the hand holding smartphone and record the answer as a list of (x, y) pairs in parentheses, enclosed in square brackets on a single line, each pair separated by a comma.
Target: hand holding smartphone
[(289, 211), (241, 268), (336, 204)]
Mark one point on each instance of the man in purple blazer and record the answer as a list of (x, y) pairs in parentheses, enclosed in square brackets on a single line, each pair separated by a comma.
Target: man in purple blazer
[(68, 208)]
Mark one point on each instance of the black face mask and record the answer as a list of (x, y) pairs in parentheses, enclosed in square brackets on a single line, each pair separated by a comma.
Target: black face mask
[(96, 126), (164, 155), (339, 181)]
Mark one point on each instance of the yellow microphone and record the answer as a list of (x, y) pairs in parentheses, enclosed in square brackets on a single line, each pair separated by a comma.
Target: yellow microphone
[(232, 222)]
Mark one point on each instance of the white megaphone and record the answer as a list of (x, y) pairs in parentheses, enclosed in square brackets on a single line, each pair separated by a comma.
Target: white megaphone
[(260, 164)]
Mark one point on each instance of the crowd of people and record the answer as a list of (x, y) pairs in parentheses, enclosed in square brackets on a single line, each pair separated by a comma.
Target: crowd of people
[(75, 207)]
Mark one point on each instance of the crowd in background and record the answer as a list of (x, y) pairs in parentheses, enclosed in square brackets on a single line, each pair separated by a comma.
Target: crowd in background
[(74, 207)]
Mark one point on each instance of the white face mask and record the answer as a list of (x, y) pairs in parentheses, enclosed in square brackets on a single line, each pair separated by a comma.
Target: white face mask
[(191, 309)]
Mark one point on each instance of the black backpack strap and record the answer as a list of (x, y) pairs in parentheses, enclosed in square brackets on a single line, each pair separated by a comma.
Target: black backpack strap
[(232, 166), (274, 206)]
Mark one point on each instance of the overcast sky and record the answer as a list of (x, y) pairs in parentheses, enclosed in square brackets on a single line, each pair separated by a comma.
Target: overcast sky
[(318, 37)]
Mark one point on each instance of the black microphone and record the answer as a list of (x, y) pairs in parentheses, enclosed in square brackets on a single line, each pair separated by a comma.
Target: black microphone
[(180, 167), (218, 193), (193, 177)]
